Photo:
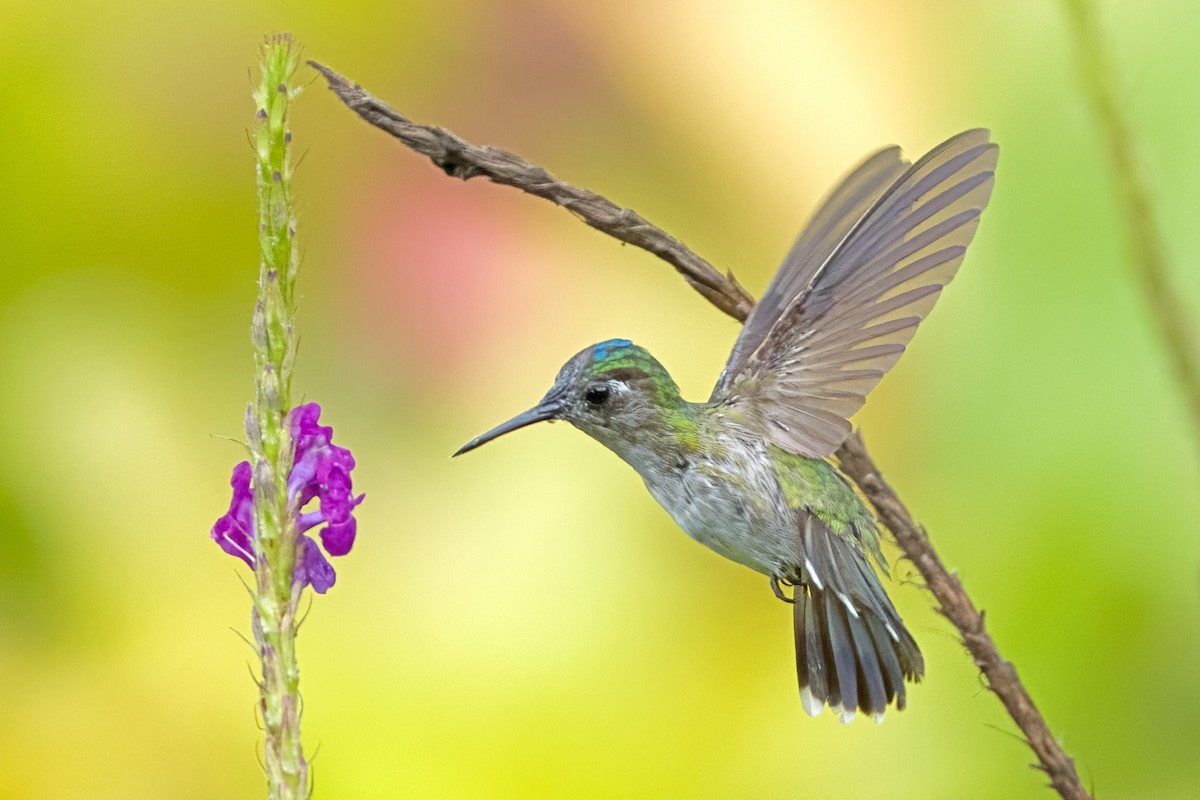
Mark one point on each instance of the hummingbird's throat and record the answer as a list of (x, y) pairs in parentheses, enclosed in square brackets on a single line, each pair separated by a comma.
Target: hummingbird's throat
[(661, 439)]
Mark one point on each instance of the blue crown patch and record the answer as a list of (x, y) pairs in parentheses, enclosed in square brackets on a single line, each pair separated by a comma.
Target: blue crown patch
[(601, 351)]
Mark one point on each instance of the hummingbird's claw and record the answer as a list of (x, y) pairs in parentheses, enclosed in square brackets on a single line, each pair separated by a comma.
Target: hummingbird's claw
[(775, 587)]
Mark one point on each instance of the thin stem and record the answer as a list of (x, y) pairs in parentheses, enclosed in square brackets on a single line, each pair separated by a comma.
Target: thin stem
[(461, 159), (955, 604), (267, 429), (1146, 250)]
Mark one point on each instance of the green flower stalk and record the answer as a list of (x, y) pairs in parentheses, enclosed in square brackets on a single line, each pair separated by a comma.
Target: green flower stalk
[(273, 335), (272, 332), (293, 460)]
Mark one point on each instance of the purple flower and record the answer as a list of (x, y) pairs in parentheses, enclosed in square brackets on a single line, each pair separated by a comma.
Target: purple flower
[(233, 531), (320, 471)]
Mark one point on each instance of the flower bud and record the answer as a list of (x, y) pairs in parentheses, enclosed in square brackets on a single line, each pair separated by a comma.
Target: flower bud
[(270, 385), (258, 327), (253, 431)]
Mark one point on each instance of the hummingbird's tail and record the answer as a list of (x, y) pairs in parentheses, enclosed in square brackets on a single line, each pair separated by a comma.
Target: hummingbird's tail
[(852, 650)]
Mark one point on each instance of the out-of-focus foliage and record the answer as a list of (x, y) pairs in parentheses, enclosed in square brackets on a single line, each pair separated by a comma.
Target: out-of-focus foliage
[(525, 621)]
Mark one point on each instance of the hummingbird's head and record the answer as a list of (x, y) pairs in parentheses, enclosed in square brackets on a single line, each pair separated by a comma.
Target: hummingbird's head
[(612, 391)]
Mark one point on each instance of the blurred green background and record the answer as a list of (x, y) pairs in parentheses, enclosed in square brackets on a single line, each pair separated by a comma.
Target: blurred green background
[(526, 622)]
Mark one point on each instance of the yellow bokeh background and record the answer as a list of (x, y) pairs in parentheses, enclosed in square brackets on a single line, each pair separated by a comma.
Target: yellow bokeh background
[(526, 622)]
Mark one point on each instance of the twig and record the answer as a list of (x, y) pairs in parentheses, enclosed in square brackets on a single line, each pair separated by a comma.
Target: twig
[(955, 604), (461, 159), (1145, 241), (464, 160)]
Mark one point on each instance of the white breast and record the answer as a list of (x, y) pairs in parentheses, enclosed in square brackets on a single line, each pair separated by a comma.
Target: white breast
[(731, 503)]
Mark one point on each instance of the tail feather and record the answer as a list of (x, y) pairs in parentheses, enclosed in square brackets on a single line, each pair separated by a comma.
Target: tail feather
[(892, 674), (870, 671), (810, 656), (843, 688), (852, 650)]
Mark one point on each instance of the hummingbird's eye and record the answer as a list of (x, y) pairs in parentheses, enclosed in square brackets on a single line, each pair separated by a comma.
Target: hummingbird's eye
[(597, 395)]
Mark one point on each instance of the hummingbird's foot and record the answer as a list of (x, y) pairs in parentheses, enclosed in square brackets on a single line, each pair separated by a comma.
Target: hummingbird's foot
[(775, 587)]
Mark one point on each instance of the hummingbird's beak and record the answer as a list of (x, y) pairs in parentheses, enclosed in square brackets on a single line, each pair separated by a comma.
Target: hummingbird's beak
[(549, 408)]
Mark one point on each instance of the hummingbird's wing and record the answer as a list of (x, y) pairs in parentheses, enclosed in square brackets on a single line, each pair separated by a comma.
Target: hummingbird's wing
[(849, 296), (829, 224)]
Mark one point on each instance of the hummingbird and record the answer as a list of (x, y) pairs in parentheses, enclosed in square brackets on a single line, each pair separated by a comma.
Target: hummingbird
[(748, 473)]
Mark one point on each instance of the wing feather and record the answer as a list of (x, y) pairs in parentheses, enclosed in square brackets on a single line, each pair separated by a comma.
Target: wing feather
[(853, 289), (836, 214)]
